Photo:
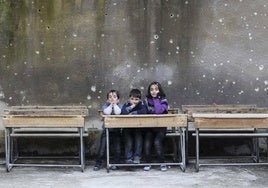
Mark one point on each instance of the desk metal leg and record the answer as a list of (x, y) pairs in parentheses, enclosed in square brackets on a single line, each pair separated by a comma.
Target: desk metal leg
[(186, 144), (176, 148), (107, 149), (197, 150), (12, 151), (255, 148), (256, 141), (7, 148), (182, 147), (82, 156), (267, 146)]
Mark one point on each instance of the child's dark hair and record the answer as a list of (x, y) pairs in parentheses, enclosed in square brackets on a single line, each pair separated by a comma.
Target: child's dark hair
[(161, 93), (135, 93), (113, 91)]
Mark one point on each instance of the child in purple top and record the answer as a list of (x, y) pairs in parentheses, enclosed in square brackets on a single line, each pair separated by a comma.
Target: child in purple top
[(156, 103)]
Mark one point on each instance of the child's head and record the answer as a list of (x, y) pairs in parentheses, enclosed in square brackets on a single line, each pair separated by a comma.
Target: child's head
[(135, 96), (113, 96), (155, 90)]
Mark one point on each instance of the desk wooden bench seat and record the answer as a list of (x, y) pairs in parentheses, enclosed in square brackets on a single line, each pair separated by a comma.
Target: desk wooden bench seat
[(43, 121), (234, 121), (143, 121)]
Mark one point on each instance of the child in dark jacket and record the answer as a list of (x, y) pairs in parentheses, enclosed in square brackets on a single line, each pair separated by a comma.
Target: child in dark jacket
[(156, 103), (133, 106)]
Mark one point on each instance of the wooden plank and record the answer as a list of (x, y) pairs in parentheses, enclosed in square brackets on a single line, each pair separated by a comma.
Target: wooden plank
[(220, 115), (231, 108), (53, 122), (47, 111), (215, 108), (230, 123), (48, 107), (139, 121), (173, 110), (186, 107), (170, 111), (260, 110)]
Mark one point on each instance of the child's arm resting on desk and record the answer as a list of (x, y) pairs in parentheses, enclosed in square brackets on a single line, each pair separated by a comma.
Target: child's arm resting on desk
[(107, 109), (139, 109)]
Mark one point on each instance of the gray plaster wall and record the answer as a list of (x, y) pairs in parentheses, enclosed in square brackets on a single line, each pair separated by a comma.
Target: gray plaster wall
[(73, 52)]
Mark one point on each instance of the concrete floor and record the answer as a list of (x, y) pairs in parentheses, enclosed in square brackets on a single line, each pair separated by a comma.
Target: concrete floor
[(238, 176)]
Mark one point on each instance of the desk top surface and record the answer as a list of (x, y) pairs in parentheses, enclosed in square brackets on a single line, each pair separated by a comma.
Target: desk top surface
[(145, 120), (45, 116), (222, 115), (52, 122), (144, 116), (230, 121)]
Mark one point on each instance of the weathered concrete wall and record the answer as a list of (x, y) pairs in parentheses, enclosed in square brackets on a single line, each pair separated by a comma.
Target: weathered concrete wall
[(73, 52)]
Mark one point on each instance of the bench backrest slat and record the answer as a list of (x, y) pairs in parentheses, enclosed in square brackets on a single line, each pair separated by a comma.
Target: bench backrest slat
[(217, 108), (46, 111), (228, 109)]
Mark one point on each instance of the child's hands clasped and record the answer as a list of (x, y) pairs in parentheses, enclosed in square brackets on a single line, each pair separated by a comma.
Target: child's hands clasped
[(113, 101)]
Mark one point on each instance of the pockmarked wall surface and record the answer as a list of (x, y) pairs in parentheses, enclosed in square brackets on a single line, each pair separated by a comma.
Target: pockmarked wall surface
[(74, 51)]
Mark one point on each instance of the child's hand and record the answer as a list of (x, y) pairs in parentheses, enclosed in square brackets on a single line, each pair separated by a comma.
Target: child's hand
[(134, 101), (113, 101), (133, 105), (117, 101)]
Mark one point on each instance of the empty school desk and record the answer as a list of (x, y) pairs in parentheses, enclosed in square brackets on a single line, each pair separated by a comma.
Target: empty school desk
[(206, 109), (42, 122), (143, 121), (228, 121)]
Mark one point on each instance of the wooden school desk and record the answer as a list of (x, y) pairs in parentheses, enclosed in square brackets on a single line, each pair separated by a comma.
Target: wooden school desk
[(143, 121), (43, 122), (223, 121)]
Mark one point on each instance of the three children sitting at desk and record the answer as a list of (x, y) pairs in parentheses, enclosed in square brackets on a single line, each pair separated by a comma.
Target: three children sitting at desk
[(154, 103)]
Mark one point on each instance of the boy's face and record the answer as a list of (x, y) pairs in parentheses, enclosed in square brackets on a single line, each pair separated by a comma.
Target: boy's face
[(154, 90), (112, 98), (134, 100)]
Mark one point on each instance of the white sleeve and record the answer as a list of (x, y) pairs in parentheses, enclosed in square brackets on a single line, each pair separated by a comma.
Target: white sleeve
[(108, 110), (117, 109)]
